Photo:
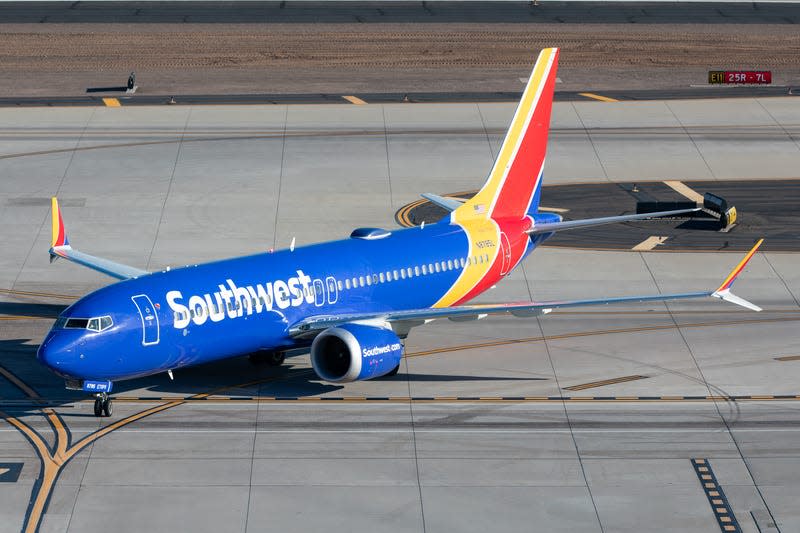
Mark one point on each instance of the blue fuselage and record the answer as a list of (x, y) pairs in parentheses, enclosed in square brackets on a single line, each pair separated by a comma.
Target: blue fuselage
[(227, 308)]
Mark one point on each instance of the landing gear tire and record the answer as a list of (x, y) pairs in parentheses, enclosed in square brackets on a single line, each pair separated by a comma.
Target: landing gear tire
[(103, 405), (394, 371), (108, 407)]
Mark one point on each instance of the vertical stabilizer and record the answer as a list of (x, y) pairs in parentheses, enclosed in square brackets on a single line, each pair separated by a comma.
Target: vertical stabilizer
[(514, 184)]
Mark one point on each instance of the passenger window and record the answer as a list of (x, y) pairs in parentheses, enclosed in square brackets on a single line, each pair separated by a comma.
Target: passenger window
[(403, 273), (416, 271), (347, 283), (360, 281), (424, 269), (449, 264), (383, 278), (369, 280), (395, 275), (375, 279), (339, 285), (463, 263), (436, 265)]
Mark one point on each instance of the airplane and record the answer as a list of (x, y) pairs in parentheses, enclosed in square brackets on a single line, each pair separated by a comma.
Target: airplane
[(350, 302)]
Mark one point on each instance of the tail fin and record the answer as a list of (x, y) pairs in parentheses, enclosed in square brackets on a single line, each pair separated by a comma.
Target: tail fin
[(514, 184), (59, 235)]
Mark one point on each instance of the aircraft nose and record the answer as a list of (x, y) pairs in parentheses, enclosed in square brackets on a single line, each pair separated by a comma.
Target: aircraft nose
[(58, 354)]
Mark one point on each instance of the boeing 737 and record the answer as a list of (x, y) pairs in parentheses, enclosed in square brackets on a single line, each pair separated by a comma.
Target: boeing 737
[(351, 302)]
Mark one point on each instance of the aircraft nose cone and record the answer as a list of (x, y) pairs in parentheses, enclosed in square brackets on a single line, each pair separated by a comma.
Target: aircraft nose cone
[(58, 354)]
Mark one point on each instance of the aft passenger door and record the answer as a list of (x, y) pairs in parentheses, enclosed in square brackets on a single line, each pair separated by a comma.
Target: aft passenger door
[(149, 317)]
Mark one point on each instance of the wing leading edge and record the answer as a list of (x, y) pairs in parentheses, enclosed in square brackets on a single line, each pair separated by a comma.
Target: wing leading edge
[(60, 247), (403, 320)]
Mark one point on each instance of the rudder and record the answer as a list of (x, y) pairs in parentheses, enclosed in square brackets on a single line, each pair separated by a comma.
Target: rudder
[(514, 184)]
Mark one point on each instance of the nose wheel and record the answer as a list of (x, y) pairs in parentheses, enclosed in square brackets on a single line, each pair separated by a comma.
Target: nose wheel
[(103, 405)]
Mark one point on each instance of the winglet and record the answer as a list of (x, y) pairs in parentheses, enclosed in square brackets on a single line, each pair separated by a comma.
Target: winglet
[(724, 290), (59, 231), (738, 270)]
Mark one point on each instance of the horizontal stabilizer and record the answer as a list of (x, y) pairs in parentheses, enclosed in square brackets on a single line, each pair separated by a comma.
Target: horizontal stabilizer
[(450, 204), (551, 227)]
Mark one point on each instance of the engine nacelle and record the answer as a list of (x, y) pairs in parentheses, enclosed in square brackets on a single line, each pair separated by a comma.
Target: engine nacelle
[(353, 352)]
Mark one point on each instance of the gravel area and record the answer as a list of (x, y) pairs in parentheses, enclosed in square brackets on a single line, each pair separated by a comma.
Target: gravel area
[(66, 59)]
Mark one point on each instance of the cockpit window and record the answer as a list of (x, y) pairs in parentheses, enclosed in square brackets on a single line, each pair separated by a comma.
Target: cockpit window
[(77, 323), (92, 324)]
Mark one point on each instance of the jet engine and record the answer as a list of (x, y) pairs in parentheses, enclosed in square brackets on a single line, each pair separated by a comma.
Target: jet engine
[(353, 352)]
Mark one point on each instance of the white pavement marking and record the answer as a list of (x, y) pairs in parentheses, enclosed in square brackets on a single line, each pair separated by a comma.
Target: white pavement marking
[(684, 190), (554, 209), (649, 243)]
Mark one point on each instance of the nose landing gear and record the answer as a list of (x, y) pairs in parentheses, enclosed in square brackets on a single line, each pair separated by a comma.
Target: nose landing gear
[(103, 405)]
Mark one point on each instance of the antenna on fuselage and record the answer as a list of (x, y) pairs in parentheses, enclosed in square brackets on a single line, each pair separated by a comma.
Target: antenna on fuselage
[(291, 246)]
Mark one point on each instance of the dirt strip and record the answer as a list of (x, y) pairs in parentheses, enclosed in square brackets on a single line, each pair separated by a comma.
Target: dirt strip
[(203, 58)]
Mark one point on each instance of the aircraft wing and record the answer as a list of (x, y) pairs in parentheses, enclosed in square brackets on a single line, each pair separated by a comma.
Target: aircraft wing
[(403, 320), (60, 247), (551, 227)]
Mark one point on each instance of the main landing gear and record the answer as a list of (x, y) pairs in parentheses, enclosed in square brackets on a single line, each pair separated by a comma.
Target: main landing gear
[(268, 358), (103, 405)]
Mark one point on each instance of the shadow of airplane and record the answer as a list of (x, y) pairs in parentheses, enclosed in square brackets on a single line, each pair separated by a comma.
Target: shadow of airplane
[(32, 309), (235, 377)]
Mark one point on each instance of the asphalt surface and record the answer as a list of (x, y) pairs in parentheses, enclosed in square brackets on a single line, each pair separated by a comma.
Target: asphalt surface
[(97, 97), (766, 209), (520, 12)]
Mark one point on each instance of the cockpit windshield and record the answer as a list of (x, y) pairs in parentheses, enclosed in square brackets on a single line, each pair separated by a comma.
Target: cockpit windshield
[(100, 323)]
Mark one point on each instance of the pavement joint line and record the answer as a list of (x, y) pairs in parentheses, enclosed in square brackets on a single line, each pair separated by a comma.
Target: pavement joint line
[(111, 102), (649, 243), (594, 96), (354, 100), (684, 190), (716, 496)]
